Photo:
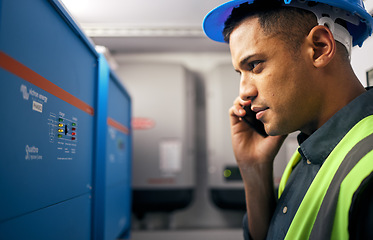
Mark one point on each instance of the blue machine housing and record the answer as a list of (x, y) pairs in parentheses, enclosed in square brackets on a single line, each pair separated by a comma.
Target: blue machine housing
[(55, 95), (118, 164)]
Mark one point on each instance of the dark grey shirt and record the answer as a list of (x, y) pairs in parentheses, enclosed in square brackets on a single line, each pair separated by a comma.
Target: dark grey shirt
[(314, 150)]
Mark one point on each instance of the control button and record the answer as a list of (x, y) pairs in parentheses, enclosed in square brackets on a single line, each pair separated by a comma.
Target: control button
[(308, 162)]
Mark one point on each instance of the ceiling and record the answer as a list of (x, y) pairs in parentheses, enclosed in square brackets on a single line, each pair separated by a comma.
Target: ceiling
[(126, 26), (130, 26)]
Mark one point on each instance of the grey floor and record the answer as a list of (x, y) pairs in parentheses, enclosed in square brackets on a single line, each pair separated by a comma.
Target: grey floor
[(211, 234)]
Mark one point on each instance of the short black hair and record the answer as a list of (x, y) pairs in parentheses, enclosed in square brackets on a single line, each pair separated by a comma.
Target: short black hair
[(290, 24)]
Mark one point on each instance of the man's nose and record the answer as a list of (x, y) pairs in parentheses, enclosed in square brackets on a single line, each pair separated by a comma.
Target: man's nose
[(248, 91)]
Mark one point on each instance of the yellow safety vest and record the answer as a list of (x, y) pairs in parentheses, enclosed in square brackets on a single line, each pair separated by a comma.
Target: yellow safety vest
[(345, 169)]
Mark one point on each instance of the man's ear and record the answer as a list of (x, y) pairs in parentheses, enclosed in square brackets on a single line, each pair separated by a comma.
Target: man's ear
[(323, 45)]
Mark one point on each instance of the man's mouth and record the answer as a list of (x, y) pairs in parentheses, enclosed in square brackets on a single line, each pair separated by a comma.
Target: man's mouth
[(259, 111)]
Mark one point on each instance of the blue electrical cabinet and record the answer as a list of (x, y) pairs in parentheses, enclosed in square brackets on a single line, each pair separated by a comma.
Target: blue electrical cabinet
[(48, 78), (53, 121), (118, 162), (112, 172)]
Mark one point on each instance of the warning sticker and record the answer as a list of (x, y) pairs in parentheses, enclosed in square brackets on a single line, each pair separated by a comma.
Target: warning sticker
[(170, 156)]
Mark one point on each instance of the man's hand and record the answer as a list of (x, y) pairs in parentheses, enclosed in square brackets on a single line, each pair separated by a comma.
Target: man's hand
[(255, 154), (249, 146)]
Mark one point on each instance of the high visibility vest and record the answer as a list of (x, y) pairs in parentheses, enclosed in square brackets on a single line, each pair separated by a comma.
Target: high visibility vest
[(324, 210)]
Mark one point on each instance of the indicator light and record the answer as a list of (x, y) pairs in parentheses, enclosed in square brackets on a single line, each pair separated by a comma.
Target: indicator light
[(59, 135), (73, 138), (60, 130), (73, 129), (227, 173), (73, 134), (73, 124), (60, 119), (232, 173), (60, 125)]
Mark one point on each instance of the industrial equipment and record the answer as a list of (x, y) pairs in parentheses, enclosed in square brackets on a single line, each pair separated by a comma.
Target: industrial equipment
[(54, 127), (163, 135), (118, 189)]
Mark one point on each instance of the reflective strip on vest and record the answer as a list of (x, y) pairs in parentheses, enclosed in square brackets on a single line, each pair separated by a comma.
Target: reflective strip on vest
[(323, 226), (307, 212)]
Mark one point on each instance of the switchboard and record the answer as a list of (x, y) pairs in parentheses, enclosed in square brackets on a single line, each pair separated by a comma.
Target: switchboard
[(54, 94), (48, 80)]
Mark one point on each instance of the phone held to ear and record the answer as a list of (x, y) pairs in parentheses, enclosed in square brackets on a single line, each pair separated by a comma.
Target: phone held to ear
[(250, 119)]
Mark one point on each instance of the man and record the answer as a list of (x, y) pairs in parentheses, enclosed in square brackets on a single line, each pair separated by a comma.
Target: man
[(296, 75)]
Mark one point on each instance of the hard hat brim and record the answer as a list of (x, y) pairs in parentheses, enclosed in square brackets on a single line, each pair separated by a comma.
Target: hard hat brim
[(213, 24)]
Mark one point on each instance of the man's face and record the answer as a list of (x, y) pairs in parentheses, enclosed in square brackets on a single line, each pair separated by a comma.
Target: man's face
[(277, 81)]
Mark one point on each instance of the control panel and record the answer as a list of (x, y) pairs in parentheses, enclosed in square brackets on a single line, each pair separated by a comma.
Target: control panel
[(63, 132)]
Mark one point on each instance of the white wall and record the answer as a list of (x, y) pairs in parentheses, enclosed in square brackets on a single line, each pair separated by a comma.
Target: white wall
[(362, 60)]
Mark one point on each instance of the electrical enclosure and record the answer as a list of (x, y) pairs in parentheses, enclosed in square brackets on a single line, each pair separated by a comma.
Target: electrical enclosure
[(54, 129), (163, 138), (118, 162)]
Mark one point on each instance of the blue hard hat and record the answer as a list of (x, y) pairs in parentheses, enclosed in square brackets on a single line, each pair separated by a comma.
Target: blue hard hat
[(213, 24)]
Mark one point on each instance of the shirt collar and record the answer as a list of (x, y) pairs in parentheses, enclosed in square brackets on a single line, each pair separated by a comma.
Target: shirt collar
[(317, 147)]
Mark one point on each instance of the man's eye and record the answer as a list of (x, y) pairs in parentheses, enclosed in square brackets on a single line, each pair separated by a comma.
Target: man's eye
[(254, 64)]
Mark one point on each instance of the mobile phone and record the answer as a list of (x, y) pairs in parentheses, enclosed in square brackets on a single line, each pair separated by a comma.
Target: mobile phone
[(250, 119)]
